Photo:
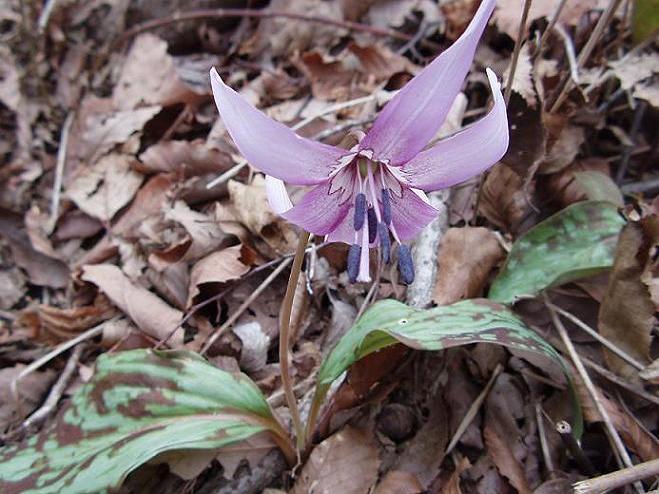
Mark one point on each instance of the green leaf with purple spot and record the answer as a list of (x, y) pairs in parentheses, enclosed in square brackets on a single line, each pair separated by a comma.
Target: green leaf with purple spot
[(138, 404), (576, 242), (470, 321)]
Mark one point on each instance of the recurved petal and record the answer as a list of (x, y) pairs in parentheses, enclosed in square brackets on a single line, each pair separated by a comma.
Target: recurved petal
[(466, 153), (270, 146), (319, 212), (414, 115), (411, 213), (278, 197)]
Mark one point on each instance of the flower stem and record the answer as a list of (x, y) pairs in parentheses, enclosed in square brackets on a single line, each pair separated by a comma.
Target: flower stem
[(284, 336)]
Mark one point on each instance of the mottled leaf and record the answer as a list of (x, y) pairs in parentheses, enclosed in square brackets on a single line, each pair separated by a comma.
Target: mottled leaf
[(138, 405), (469, 321), (576, 242)]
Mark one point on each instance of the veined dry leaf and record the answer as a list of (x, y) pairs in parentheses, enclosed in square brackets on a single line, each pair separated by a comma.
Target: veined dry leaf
[(378, 61), (347, 463), (636, 437), (192, 158), (106, 188), (63, 324), (465, 259), (149, 77), (148, 311), (252, 210), (502, 455), (453, 484), (218, 267), (626, 315), (399, 482), (503, 201), (330, 79)]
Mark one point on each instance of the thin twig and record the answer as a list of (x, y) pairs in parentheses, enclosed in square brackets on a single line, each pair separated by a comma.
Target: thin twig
[(284, 336), (605, 483), (586, 51), (263, 14), (608, 344), (615, 379), (569, 51), (59, 169), (46, 409), (44, 17), (544, 446), (551, 24), (248, 301), (588, 383), (521, 34), (564, 430), (473, 409), (87, 335)]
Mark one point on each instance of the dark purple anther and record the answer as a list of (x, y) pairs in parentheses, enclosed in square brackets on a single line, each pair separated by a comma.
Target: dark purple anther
[(385, 242), (353, 262), (360, 211), (372, 225), (405, 265), (386, 207)]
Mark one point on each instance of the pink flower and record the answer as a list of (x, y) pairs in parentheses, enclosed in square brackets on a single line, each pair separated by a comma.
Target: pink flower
[(376, 189)]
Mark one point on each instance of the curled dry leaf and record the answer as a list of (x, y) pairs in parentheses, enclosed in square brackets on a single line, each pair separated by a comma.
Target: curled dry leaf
[(503, 201), (466, 257), (63, 324), (192, 158), (347, 463), (586, 179), (105, 188), (627, 313), (149, 312), (149, 77), (251, 208), (218, 267)]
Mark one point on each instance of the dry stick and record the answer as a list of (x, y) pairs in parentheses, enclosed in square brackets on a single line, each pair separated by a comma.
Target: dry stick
[(263, 14), (521, 31), (55, 393), (90, 333), (284, 335), (587, 50), (569, 51), (583, 374), (551, 25), (232, 172), (248, 301), (542, 434), (608, 344), (612, 480), (59, 169), (564, 430), (473, 410), (615, 379)]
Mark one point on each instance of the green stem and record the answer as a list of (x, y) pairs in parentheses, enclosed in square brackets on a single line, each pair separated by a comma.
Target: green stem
[(284, 337)]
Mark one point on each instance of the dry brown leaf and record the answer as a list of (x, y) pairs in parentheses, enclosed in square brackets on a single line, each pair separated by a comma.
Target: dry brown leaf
[(251, 208), (378, 61), (563, 186), (190, 158), (651, 373), (458, 15), (12, 283), (523, 82), (465, 259), (508, 12), (256, 343), (626, 315), (151, 314), (149, 77), (347, 463), (453, 484), (63, 324), (105, 188), (528, 137), (218, 267), (636, 437), (501, 454), (503, 201), (564, 141), (399, 482), (330, 78)]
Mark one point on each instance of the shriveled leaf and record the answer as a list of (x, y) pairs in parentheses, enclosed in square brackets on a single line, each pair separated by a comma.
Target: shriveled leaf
[(470, 321), (576, 242), (147, 310), (138, 405), (217, 267), (346, 462)]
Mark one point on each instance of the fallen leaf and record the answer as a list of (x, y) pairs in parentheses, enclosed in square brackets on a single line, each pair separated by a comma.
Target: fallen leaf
[(466, 257), (453, 484), (256, 343), (626, 316), (523, 82), (564, 142), (399, 482), (31, 390), (347, 463), (501, 454), (64, 324), (12, 284), (528, 137), (149, 77), (105, 188), (218, 267), (503, 201), (190, 158), (149, 312), (566, 189)]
